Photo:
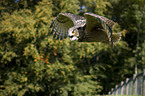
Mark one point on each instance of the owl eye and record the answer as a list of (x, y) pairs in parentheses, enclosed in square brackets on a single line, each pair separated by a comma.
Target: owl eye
[(73, 32)]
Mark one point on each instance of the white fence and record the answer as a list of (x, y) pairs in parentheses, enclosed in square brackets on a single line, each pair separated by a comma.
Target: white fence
[(132, 86)]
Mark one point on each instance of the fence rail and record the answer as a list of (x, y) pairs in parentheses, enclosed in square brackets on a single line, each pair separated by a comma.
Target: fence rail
[(132, 86)]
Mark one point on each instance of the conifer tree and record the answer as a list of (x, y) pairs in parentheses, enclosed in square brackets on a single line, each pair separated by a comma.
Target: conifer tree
[(33, 63)]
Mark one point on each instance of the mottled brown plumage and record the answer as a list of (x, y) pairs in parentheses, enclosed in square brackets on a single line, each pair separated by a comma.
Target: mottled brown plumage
[(92, 28)]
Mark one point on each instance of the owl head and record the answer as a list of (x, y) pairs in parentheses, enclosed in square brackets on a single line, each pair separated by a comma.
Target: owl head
[(76, 33)]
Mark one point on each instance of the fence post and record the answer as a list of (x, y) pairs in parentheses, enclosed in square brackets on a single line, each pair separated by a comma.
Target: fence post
[(143, 87), (134, 91), (127, 86), (116, 89), (109, 93), (122, 87), (112, 90)]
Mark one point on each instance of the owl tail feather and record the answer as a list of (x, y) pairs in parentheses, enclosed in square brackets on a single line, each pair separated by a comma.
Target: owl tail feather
[(116, 37)]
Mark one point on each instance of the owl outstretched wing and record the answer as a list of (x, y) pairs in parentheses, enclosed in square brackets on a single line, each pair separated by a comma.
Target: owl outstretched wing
[(63, 22), (93, 20)]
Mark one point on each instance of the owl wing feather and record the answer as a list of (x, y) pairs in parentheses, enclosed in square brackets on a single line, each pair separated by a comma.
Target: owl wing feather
[(62, 23), (93, 20)]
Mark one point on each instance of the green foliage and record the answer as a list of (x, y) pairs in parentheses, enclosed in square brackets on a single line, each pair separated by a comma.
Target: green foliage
[(69, 6), (130, 15), (131, 18), (95, 6), (33, 63), (12, 5), (65, 6)]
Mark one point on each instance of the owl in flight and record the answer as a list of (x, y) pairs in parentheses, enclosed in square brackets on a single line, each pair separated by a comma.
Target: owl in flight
[(91, 28)]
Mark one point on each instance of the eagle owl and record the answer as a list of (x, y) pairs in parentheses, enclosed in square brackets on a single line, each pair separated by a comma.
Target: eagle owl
[(90, 28)]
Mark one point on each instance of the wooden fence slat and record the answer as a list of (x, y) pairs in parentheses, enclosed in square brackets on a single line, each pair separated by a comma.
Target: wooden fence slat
[(112, 90), (109, 93), (134, 91), (116, 89), (143, 89), (127, 86), (122, 82)]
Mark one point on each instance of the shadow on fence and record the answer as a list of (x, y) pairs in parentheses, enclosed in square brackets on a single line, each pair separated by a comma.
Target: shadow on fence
[(132, 86)]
